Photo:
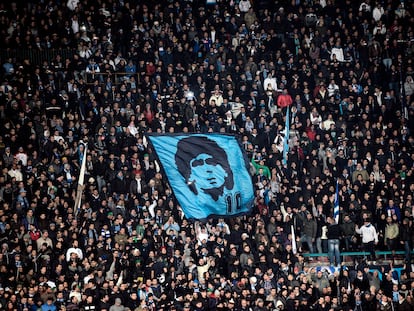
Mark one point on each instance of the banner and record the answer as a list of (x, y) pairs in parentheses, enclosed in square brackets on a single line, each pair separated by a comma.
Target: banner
[(336, 204), (208, 173)]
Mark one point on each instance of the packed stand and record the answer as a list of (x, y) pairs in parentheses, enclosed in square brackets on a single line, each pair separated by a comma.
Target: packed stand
[(342, 68)]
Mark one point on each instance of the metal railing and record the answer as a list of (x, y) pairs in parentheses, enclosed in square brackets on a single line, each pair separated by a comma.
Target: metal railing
[(36, 57), (116, 77)]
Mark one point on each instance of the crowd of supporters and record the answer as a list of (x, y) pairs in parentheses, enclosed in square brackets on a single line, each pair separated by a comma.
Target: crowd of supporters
[(343, 69)]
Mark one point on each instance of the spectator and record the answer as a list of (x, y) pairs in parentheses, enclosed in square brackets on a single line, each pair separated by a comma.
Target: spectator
[(391, 234), (405, 238), (409, 86), (369, 237), (309, 231), (348, 233), (49, 305), (117, 306), (333, 234)]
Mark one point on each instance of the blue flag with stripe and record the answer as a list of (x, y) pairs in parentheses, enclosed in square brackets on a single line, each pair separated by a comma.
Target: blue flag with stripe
[(336, 204), (286, 140), (208, 173)]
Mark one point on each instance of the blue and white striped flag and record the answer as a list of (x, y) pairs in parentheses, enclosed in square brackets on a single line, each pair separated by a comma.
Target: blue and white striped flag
[(208, 173), (336, 204)]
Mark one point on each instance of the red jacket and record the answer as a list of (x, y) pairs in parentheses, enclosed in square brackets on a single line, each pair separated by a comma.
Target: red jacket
[(284, 100)]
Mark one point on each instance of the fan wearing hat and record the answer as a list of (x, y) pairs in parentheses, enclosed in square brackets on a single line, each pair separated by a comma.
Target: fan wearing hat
[(22, 199), (231, 304)]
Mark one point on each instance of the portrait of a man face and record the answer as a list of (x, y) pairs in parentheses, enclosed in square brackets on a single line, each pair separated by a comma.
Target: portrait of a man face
[(204, 166)]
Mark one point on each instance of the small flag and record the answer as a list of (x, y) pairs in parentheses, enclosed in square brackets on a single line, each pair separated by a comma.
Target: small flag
[(294, 246), (208, 173), (336, 204), (286, 140)]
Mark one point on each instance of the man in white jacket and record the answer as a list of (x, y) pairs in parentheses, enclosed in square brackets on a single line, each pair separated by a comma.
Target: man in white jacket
[(270, 83), (378, 12), (369, 237)]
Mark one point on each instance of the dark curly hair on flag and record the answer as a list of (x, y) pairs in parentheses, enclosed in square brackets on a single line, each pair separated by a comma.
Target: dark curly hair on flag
[(198, 151)]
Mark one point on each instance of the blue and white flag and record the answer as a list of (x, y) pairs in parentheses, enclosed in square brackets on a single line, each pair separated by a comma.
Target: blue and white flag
[(208, 173), (329, 270), (336, 204), (286, 140)]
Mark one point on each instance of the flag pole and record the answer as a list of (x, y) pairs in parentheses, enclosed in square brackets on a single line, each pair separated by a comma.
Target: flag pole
[(79, 190)]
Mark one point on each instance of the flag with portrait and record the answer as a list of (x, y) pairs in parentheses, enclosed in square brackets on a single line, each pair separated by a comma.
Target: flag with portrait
[(208, 173)]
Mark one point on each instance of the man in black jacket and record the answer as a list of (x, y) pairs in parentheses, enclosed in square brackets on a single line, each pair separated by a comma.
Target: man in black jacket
[(405, 238), (334, 233)]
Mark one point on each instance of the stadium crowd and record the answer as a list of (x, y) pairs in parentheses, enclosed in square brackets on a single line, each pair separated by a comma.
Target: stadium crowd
[(343, 69)]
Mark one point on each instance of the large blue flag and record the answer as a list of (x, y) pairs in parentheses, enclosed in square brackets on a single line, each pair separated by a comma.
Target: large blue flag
[(208, 173)]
